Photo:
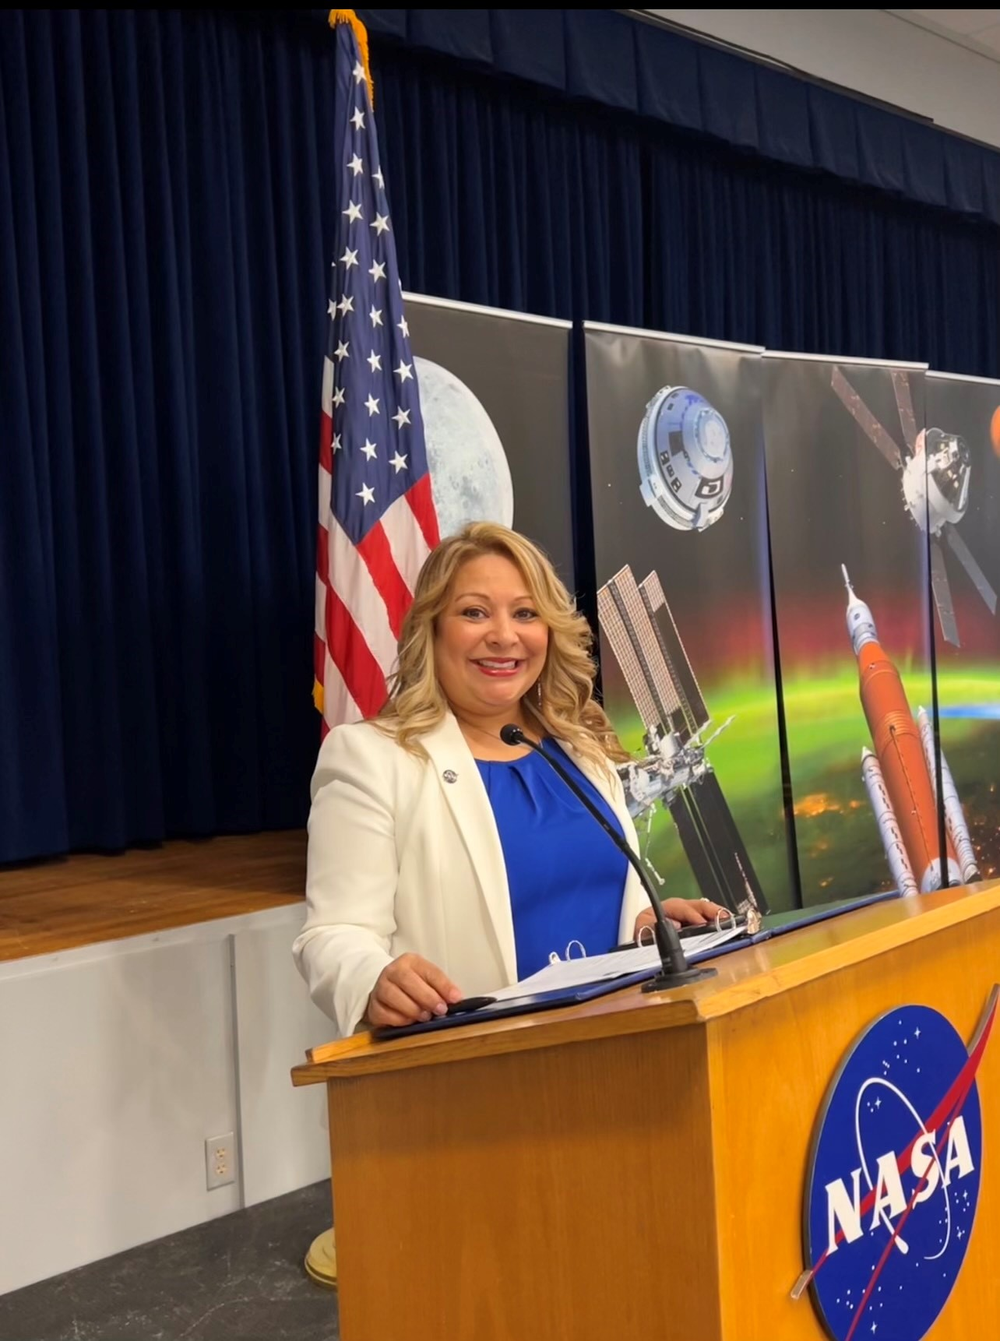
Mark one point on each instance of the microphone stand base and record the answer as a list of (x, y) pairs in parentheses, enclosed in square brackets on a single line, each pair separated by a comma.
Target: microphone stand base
[(663, 982)]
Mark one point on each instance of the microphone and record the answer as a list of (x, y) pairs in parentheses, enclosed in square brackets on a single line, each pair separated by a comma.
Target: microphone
[(675, 971)]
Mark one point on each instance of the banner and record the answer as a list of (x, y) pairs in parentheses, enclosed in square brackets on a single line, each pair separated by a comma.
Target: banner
[(846, 502), (962, 450), (495, 400), (680, 535), (839, 516)]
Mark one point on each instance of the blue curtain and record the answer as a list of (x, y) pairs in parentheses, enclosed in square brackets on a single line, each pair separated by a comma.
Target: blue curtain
[(627, 64), (521, 198), (165, 225), (166, 218)]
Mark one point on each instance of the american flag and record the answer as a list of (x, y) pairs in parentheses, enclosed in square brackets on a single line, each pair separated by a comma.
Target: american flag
[(376, 512)]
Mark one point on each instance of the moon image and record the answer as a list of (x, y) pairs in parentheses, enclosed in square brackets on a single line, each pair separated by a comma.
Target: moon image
[(470, 476)]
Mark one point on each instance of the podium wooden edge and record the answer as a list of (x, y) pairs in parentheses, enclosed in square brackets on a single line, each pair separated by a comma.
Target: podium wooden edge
[(745, 977)]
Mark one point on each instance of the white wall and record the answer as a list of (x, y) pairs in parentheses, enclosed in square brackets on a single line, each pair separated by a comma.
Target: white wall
[(872, 51), (284, 1131), (117, 1061)]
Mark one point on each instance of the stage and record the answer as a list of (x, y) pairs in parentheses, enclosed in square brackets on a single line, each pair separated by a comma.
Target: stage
[(58, 905), (148, 1003)]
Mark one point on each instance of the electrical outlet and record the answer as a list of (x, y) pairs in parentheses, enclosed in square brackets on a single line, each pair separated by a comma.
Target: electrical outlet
[(220, 1160)]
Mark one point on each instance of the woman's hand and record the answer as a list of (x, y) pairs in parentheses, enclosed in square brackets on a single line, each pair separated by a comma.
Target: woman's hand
[(683, 913), (410, 989)]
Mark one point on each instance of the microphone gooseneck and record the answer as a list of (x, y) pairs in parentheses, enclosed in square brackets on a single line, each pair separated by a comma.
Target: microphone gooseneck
[(675, 971)]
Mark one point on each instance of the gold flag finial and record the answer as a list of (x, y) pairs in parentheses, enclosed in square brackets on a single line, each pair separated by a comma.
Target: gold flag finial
[(361, 33)]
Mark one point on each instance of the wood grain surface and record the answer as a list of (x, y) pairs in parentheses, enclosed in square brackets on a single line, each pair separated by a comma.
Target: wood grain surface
[(82, 900), (637, 1166), (743, 978), (539, 1196), (770, 1067)]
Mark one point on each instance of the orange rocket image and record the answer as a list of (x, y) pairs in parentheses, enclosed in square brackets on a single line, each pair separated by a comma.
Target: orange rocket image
[(900, 776)]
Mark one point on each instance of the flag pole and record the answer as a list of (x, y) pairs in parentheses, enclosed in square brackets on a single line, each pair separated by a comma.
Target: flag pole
[(321, 1259)]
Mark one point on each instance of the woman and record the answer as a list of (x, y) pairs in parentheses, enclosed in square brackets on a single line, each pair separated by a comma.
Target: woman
[(443, 863)]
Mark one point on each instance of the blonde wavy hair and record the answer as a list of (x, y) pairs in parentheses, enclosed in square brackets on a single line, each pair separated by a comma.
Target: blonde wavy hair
[(562, 699)]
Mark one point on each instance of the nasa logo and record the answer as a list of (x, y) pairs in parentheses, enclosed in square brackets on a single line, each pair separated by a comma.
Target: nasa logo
[(894, 1178)]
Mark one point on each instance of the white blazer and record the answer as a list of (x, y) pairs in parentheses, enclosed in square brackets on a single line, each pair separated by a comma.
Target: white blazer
[(404, 855)]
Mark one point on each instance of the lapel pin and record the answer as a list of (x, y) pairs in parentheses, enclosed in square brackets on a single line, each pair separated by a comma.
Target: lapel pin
[(450, 775)]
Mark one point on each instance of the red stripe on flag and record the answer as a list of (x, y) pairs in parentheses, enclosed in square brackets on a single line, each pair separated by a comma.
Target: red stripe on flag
[(375, 551), (326, 442), (323, 554), (362, 673), (421, 500)]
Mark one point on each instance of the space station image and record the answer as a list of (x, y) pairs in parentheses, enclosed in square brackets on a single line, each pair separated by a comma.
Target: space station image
[(685, 459), (674, 772), (900, 773)]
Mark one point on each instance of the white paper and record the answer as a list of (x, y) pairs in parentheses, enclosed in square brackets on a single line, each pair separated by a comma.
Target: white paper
[(567, 973)]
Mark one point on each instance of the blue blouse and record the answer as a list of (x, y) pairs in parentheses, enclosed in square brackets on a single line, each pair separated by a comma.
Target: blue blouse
[(566, 877)]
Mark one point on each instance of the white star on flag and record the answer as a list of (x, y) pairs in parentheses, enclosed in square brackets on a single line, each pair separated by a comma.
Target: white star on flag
[(356, 165), (353, 212), (376, 315), (372, 405), (399, 462), (341, 351), (338, 396), (401, 324), (349, 257), (377, 271), (366, 495), (401, 417), (358, 119), (369, 449), (378, 179), (381, 224), (331, 307), (374, 362), (358, 72), (403, 371), (336, 443), (345, 305)]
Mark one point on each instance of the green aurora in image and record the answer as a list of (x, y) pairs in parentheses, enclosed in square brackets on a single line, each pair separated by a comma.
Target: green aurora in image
[(826, 732), (742, 757)]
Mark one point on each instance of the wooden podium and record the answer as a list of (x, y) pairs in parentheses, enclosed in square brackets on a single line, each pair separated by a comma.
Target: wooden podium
[(635, 1167)]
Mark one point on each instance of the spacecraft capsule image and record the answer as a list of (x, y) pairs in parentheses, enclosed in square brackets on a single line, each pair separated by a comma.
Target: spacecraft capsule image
[(936, 480), (685, 459), (901, 788), (936, 470)]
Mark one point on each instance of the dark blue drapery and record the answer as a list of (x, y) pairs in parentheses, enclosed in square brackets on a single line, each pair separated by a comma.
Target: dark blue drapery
[(165, 209), (556, 207), (630, 65), (165, 220)]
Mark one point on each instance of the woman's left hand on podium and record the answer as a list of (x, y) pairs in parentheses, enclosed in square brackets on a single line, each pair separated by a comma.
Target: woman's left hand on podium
[(683, 913)]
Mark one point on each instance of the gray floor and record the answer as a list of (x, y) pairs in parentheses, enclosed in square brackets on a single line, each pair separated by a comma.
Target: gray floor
[(236, 1279)]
